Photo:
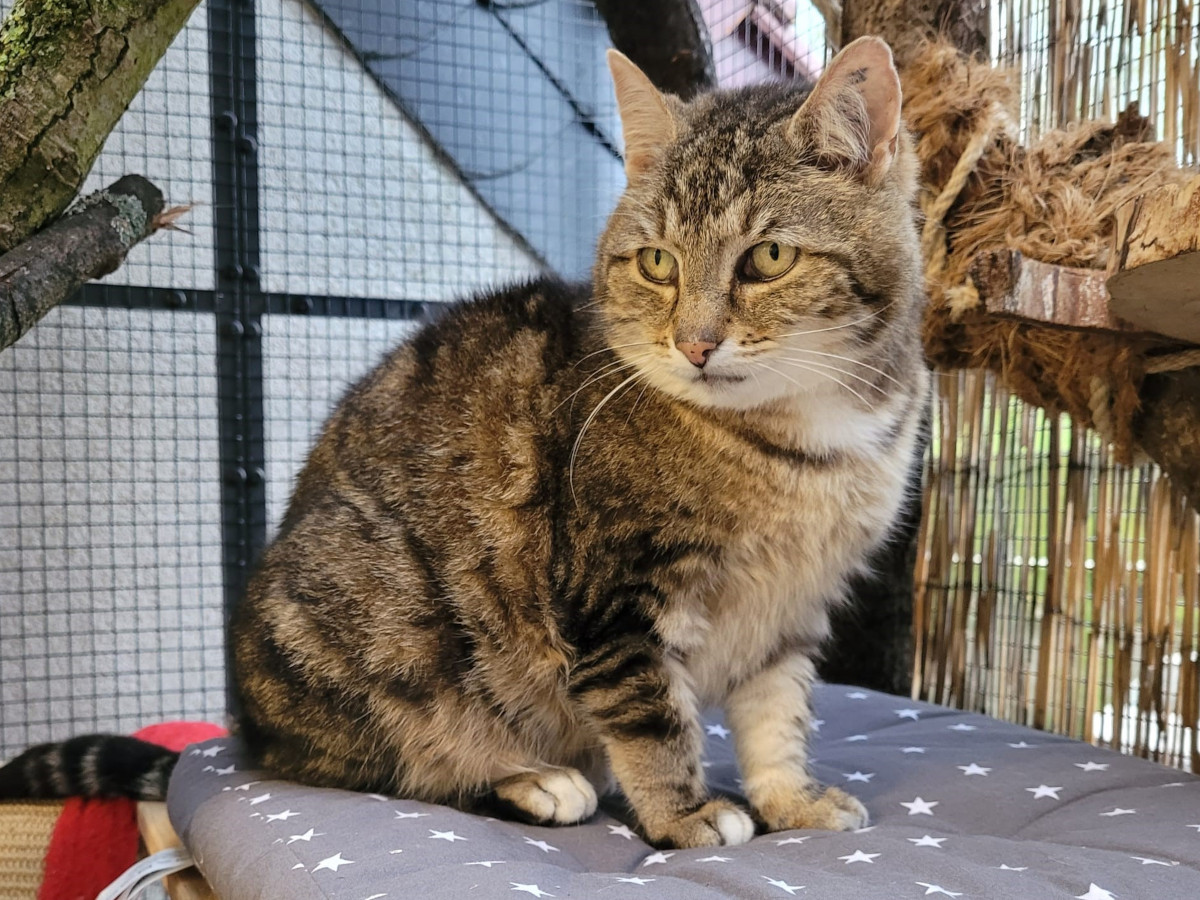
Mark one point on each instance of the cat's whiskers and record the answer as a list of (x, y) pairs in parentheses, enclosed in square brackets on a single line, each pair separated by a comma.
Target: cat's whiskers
[(613, 348), (640, 395), (820, 374), (847, 372), (866, 318), (848, 359), (610, 368), (587, 423)]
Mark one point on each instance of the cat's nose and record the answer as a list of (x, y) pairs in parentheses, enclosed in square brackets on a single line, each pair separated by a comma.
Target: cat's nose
[(697, 352)]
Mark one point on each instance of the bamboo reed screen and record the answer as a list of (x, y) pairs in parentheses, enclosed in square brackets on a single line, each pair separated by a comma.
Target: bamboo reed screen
[(1055, 587), (1080, 59)]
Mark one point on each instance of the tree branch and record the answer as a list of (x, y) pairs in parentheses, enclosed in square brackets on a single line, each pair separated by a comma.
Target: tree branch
[(667, 39), (88, 242), (68, 71)]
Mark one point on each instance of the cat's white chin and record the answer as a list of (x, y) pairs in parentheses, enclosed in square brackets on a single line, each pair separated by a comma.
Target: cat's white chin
[(721, 390)]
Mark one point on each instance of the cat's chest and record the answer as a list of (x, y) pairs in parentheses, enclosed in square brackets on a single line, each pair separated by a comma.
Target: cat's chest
[(780, 569)]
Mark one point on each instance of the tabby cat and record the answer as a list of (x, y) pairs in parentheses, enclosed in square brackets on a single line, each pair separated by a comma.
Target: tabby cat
[(544, 531)]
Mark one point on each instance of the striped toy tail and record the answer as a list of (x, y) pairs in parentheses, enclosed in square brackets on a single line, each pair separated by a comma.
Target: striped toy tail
[(95, 765)]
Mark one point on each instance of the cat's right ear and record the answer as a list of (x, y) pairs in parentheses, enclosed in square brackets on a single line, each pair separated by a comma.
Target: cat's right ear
[(646, 120), (852, 117)]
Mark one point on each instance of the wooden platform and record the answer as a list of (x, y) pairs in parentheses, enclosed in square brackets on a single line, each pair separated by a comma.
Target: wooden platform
[(157, 834)]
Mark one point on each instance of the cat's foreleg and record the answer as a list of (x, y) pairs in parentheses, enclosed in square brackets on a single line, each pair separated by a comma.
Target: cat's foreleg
[(771, 717), (642, 705)]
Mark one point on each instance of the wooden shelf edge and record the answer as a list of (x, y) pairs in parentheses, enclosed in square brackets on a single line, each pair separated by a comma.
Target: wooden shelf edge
[(157, 834)]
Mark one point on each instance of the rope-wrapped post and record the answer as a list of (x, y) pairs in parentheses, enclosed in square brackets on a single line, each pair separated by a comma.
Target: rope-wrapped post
[(89, 241)]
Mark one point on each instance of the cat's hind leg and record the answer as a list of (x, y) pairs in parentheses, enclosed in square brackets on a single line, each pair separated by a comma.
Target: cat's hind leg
[(554, 795)]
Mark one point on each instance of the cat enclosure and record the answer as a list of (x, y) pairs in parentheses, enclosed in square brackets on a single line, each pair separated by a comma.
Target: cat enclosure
[(351, 166)]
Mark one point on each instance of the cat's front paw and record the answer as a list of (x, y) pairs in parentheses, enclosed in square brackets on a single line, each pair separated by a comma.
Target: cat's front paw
[(830, 810), (550, 796), (717, 823)]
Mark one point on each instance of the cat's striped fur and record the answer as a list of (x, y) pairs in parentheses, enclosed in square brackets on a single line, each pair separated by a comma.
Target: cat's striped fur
[(535, 539)]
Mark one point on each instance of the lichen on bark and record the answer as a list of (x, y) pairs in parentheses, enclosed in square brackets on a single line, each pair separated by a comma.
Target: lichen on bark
[(68, 71)]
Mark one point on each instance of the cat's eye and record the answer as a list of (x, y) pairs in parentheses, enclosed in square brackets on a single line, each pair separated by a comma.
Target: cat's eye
[(656, 264), (768, 260)]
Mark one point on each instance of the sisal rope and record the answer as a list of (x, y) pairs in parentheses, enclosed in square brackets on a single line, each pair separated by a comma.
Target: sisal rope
[(25, 830), (1100, 402), (935, 207)]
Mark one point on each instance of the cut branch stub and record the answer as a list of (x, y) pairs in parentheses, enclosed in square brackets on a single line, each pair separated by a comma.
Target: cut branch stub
[(1154, 268), (1010, 284), (88, 242)]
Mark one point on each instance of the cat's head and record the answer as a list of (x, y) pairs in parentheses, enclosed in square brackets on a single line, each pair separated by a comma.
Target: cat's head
[(765, 245)]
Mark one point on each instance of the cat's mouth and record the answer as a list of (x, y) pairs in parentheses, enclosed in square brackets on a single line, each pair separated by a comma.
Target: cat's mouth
[(715, 378)]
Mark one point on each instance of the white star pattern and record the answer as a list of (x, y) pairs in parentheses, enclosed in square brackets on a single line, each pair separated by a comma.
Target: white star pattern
[(657, 858), (1044, 790), (486, 863), (1117, 811), (282, 817), (530, 889), (912, 749), (1197, 827), (962, 726), (706, 859), (1092, 766), (375, 897), (307, 836), (937, 889), (858, 776), (262, 798), (919, 807), (210, 752), (541, 845), (621, 831), (380, 798), (1021, 745), (406, 815), (817, 723), (857, 737), (863, 830), (783, 885), (1095, 892), (1147, 861), (228, 770), (927, 841), (974, 769), (718, 730), (246, 786), (1007, 868), (856, 695), (791, 840), (859, 856), (913, 714), (332, 863), (444, 836), (635, 880)]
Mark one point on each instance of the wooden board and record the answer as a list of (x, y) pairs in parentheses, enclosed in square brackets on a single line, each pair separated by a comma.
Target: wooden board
[(1010, 284), (1154, 269), (157, 834)]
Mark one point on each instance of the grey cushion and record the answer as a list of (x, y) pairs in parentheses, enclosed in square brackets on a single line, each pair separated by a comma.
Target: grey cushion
[(961, 805)]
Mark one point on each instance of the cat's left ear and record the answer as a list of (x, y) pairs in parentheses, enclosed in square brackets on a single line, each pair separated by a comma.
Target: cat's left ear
[(852, 116), (646, 120)]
